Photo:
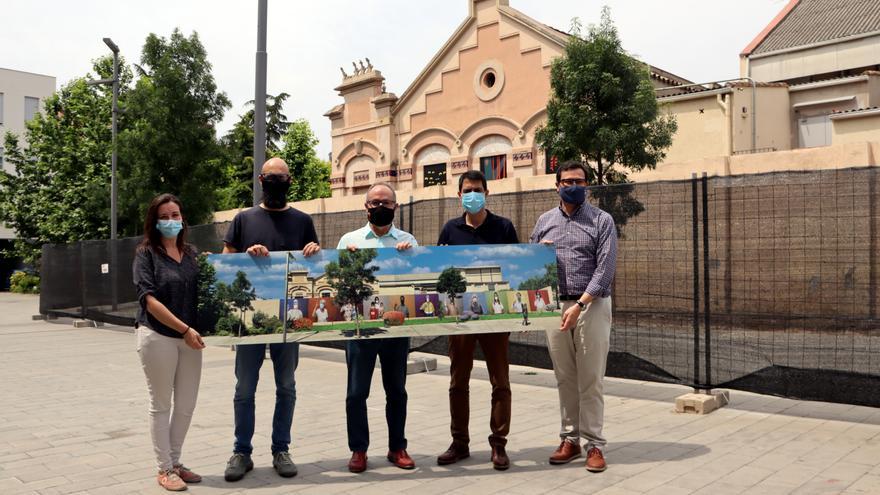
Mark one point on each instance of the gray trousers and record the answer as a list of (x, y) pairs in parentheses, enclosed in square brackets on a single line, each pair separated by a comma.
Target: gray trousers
[(579, 357), (173, 370)]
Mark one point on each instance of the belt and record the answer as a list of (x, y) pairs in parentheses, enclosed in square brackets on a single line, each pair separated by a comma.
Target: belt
[(570, 298)]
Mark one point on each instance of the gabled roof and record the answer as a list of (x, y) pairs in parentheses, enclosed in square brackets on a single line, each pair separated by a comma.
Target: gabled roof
[(807, 22), (550, 33)]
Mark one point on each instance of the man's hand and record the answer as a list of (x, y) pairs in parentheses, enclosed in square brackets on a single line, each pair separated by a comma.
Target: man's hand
[(570, 318), (403, 246), (258, 250), (546, 242), (311, 249), (352, 248), (194, 339)]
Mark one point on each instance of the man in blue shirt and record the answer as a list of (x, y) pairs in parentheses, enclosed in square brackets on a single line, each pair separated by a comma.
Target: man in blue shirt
[(360, 355)]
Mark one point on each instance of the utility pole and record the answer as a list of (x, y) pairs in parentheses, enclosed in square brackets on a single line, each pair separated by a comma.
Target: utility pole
[(260, 100)]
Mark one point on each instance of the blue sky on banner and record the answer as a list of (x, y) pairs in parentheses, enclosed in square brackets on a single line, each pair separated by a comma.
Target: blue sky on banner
[(518, 262)]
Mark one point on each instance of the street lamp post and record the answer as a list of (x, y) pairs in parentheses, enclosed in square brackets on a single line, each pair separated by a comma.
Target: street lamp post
[(260, 100), (113, 183)]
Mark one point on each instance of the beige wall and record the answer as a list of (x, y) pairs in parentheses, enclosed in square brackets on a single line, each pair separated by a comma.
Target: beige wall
[(15, 86), (825, 59), (856, 128)]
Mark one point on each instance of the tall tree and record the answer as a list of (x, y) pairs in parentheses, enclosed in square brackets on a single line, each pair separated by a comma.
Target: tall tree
[(451, 282), (170, 144), (311, 175), (240, 295), (352, 277), (60, 189), (602, 110), (238, 143)]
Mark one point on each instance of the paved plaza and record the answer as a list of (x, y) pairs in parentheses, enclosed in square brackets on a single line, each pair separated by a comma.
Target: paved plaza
[(73, 419)]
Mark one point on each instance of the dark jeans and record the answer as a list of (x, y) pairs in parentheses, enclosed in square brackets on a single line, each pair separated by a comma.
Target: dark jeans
[(461, 355), (361, 359), (248, 360)]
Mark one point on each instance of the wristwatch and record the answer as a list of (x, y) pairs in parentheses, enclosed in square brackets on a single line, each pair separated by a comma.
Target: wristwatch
[(581, 305)]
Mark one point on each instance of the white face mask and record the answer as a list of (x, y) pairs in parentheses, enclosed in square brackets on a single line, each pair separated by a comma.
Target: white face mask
[(322, 305)]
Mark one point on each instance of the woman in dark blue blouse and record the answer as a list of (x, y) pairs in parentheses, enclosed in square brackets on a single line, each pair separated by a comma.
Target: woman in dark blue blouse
[(170, 349)]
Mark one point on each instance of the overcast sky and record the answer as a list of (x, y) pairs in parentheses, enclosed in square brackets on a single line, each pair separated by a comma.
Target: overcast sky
[(309, 40)]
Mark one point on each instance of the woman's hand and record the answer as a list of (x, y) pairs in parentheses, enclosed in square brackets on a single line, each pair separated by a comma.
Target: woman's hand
[(193, 339)]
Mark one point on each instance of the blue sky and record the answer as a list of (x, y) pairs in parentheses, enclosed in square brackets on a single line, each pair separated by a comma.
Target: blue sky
[(518, 262)]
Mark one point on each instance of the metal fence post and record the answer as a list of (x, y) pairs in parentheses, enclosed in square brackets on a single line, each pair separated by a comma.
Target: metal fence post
[(707, 322), (696, 277)]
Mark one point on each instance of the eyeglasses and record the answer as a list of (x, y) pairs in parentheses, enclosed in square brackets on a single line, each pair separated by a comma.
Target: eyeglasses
[(275, 177), (572, 182), (377, 203)]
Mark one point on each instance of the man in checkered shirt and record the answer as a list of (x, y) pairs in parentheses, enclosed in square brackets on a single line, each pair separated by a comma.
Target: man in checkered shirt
[(586, 254)]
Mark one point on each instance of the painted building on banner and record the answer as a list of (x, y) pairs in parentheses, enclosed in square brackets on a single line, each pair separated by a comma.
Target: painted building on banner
[(475, 106)]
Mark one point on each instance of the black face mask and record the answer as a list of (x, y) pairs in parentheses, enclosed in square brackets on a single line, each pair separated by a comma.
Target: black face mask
[(381, 216), (275, 193)]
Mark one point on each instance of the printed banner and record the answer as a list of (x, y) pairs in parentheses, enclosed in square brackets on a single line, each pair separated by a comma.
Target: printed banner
[(378, 293)]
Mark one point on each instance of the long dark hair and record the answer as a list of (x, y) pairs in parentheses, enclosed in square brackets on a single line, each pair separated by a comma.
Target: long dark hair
[(152, 236)]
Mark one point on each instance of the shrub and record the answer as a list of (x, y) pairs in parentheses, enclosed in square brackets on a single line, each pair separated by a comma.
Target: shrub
[(226, 325), (302, 324), (24, 283), (393, 318)]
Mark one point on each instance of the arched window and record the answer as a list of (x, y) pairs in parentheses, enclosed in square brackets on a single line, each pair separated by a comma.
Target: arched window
[(492, 151), (433, 161)]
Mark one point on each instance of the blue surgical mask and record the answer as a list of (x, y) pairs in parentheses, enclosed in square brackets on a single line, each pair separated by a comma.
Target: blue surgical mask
[(473, 202), (573, 195), (169, 228)]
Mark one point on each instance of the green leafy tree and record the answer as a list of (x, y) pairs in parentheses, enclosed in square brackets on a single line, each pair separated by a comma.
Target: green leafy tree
[(60, 189), (211, 307), (238, 144), (353, 276), (603, 112), (169, 145), (451, 282), (602, 109), (239, 295), (311, 175)]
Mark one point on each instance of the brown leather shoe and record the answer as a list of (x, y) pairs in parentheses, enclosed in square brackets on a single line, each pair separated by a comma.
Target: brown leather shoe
[(566, 453), (358, 462), (453, 454), (401, 459), (595, 461), (500, 461)]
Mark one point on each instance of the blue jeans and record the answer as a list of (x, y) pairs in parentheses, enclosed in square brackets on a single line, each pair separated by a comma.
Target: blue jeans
[(361, 359), (248, 361)]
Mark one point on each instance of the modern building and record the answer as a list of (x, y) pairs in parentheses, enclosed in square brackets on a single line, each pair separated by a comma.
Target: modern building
[(478, 278), (475, 105), (21, 97)]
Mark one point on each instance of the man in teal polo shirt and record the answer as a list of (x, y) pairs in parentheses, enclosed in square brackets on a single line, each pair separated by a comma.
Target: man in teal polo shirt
[(360, 355)]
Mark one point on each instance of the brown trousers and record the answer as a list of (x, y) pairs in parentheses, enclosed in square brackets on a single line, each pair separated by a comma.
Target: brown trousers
[(461, 353)]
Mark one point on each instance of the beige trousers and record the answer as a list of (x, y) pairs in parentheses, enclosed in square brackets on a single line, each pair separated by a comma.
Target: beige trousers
[(173, 370), (579, 357)]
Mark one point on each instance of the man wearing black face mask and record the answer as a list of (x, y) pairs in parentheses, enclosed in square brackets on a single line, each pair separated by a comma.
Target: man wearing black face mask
[(586, 256), (360, 356), (270, 226)]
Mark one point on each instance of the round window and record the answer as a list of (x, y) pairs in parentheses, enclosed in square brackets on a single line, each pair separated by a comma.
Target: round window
[(489, 79)]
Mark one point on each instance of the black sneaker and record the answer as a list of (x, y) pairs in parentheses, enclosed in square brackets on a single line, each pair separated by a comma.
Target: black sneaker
[(283, 464), (238, 466)]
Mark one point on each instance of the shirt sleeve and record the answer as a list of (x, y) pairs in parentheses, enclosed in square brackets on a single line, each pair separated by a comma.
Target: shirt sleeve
[(342, 242), (444, 236), (606, 259), (536, 233), (511, 236), (143, 275), (310, 235), (233, 235), (412, 240)]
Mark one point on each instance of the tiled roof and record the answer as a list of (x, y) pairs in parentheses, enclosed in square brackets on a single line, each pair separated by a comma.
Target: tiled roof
[(816, 21)]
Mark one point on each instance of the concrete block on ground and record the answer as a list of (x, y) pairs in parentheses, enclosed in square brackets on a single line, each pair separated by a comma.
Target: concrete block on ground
[(87, 323), (420, 365), (703, 403), (38, 317)]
